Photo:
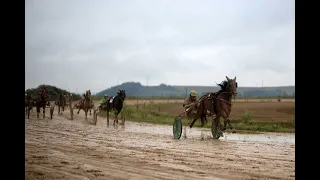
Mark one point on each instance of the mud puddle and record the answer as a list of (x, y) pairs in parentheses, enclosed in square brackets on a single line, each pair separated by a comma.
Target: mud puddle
[(196, 133)]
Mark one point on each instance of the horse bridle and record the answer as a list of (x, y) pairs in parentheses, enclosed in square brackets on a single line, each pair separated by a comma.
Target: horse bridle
[(122, 98)]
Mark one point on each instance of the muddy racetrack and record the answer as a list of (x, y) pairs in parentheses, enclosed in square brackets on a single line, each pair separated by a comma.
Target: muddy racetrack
[(72, 149)]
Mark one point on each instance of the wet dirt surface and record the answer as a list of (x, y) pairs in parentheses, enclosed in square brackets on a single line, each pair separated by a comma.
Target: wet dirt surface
[(73, 149)]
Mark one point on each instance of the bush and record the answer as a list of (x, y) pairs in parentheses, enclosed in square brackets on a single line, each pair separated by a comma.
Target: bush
[(143, 115), (126, 113), (247, 116)]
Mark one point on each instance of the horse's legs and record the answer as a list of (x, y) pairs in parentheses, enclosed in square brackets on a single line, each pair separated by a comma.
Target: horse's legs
[(78, 111), (226, 119), (38, 111), (29, 108), (116, 113), (44, 111), (218, 124), (51, 111), (108, 116), (90, 111), (227, 122), (203, 120), (28, 113), (85, 112), (193, 121), (115, 118)]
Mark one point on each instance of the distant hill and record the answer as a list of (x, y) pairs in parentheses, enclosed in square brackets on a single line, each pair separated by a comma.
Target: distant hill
[(135, 89), (52, 92)]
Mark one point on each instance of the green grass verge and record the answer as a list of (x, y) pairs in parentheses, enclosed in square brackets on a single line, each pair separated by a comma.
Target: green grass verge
[(243, 124)]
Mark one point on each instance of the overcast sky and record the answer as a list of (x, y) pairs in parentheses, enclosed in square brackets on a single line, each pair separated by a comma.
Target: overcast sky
[(91, 44)]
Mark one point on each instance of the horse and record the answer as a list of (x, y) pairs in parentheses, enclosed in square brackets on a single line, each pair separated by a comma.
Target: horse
[(61, 102), (115, 103), (87, 103), (42, 101), (29, 103), (67, 100), (218, 103), (79, 106)]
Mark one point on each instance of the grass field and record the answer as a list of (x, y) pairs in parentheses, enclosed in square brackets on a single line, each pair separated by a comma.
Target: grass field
[(267, 115)]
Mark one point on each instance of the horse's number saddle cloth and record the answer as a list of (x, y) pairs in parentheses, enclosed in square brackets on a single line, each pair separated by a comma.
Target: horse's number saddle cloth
[(111, 99)]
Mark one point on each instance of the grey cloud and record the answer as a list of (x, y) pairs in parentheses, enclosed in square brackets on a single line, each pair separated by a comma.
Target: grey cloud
[(80, 44)]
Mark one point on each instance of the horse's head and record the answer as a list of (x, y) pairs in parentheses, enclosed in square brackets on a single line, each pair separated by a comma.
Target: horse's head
[(232, 86), (87, 94), (122, 94)]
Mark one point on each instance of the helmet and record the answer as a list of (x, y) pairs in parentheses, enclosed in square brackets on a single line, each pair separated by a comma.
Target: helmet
[(105, 95), (193, 93)]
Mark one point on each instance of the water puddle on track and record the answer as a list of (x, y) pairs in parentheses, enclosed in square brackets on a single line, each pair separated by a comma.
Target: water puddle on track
[(206, 132)]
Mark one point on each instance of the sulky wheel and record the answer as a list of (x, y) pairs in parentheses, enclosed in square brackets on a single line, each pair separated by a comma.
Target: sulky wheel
[(177, 128)]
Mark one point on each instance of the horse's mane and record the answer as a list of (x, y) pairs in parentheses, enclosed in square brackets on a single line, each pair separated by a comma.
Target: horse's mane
[(223, 85)]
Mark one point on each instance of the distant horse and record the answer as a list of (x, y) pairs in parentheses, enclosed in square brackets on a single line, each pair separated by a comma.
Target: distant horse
[(218, 103), (80, 104), (61, 102), (87, 103), (42, 101), (115, 103), (29, 103)]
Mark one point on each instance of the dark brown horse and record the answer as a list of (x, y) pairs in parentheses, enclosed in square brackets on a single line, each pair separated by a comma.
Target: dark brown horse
[(87, 103), (115, 103), (42, 101), (218, 103), (61, 102)]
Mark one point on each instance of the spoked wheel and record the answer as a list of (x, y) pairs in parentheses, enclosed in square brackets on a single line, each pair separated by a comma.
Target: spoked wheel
[(177, 128), (215, 129)]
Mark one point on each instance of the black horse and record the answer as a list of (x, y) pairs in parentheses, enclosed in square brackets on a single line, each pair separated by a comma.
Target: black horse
[(115, 103)]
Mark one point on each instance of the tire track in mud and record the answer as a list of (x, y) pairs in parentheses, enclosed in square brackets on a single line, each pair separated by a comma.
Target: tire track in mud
[(71, 149)]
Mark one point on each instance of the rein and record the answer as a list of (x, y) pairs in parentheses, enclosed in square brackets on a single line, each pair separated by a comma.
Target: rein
[(225, 100)]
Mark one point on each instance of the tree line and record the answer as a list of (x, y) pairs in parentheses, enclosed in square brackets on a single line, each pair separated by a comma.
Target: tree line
[(135, 89), (52, 92)]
